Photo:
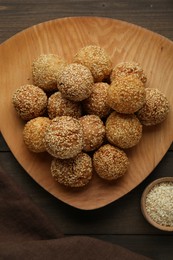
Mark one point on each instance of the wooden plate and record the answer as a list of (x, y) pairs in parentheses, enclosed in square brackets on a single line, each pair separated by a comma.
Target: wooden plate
[(124, 42)]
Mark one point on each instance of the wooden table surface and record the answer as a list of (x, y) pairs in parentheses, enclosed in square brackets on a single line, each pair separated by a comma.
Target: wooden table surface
[(120, 222)]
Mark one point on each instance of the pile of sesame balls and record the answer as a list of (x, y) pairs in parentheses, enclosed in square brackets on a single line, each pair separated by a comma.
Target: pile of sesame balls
[(86, 113)]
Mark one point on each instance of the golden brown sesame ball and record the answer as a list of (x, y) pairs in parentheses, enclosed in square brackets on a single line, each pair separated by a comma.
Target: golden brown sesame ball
[(45, 71), (64, 137), (60, 106), (123, 130), (96, 103), (34, 132), (110, 163), (96, 59), (75, 82), (29, 101), (156, 108), (93, 132), (75, 172), (125, 68), (126, 95)]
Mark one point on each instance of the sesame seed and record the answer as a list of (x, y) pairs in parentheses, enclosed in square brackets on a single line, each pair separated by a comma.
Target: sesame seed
[(159, 203)]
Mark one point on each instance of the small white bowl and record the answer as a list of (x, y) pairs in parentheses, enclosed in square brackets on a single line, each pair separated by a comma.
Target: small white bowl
[(143, 203)]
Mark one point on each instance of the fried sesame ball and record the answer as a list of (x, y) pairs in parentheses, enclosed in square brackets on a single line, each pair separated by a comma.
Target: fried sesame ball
[(45, 71), (75, 82), (96, 59), (93, 132), (64, 137), (126, 95), (29, 101), (34, 132), (60, 106), (123, 130), (110, 163), (96, 103), (128, 68), (155, 109), (75, 172)]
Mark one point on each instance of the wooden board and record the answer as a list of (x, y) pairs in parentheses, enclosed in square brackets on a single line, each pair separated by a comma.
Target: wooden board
[(123, 42)]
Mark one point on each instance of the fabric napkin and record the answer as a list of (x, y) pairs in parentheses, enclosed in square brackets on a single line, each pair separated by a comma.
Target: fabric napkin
[(26, 233)]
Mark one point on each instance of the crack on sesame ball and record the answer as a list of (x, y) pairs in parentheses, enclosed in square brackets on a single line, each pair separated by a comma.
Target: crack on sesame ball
[(124, 69), (75, 172)]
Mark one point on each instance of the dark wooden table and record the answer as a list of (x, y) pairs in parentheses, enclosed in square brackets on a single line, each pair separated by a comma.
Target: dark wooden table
[(120, 222)]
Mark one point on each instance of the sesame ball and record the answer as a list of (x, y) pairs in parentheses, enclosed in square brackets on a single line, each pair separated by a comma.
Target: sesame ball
[(110, 163), (93, 132), (96, 59), (34, 132), (126, 95), (45, 71), (64, 137), (75, 172), (124, 69), (60, 106), (155, 109), (123, 130), (29, 101), (96, 103), (75, 82)]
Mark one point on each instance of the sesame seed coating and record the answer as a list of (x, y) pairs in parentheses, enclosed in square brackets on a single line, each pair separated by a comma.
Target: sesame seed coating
[(123, 130), (126, 95), (34, 132), (96, 59), (29, 101), (93, 132), (64, 137), (155, 109), (128, 68), (46, 69), (96, 103), (75, 82), (60, 106), (75, 172), (110, 163)]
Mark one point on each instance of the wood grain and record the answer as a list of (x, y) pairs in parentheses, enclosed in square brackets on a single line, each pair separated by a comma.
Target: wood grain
[(65, 37)]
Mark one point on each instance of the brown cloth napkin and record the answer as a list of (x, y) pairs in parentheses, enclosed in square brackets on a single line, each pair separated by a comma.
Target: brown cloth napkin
[(26, 233)]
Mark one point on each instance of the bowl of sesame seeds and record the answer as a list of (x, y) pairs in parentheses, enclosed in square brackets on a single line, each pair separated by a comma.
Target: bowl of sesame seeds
[(157, 203)]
